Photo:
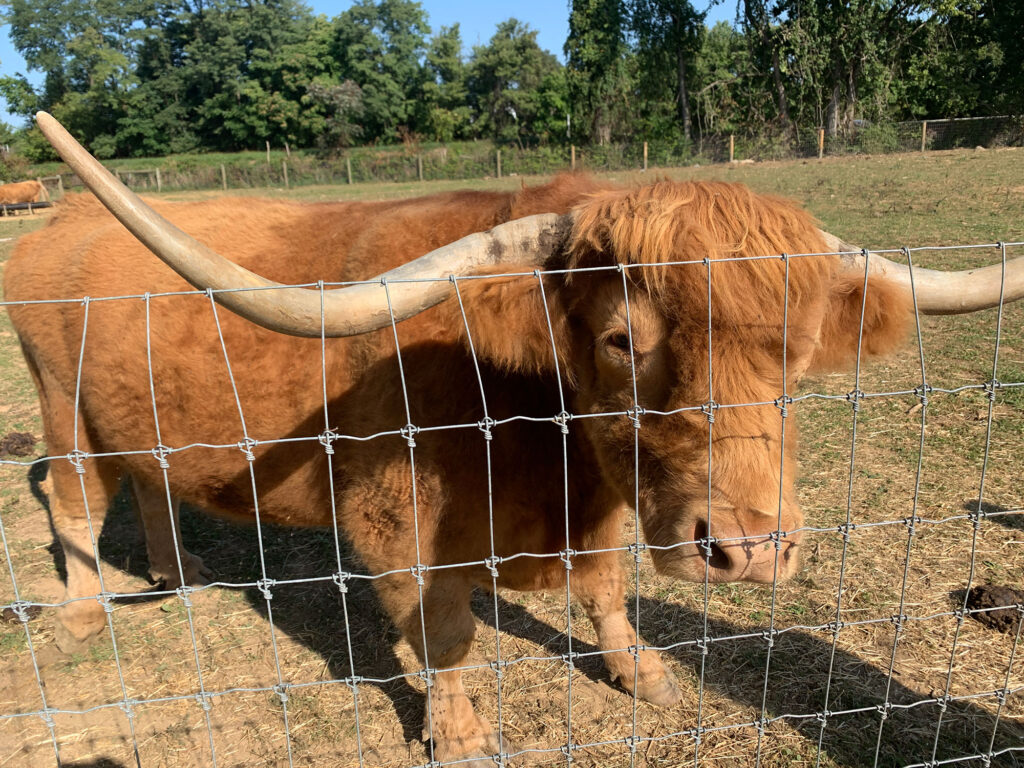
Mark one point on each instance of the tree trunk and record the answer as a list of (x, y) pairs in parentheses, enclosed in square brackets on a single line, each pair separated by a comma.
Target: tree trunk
[(683, 96), (832, 110), (850, 111)]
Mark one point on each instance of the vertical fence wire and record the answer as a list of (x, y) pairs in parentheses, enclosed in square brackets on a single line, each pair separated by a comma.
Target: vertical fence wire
[(184, 590), (265, 584)]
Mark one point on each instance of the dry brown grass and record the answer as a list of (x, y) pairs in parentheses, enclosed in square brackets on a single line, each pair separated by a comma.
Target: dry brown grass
[(965, 197)]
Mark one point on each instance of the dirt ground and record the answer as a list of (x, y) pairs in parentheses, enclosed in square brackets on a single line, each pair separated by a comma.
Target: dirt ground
[(864, 695)]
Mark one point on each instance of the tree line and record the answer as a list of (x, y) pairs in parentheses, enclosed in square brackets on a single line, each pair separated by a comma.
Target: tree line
[(155, 77)]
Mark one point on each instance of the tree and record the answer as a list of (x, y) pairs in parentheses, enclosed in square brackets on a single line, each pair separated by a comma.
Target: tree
[(505, 77), (596, 71), (379, 48), (668, 36), (445, 92)]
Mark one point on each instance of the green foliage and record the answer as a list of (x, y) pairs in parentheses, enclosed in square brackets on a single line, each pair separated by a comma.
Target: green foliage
[(140, 78)]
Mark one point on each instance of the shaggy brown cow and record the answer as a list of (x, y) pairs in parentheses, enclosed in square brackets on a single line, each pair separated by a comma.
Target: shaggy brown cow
[(23, 192), (632, 343)]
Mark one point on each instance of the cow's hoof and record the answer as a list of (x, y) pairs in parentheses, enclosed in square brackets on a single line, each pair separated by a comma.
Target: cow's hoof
[(661, 692), (76, 629), (192, 567), (477, 751)]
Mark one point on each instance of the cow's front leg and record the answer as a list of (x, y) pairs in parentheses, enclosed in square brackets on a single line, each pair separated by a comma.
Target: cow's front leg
[(170, 564), (446, 624), (598, 584)]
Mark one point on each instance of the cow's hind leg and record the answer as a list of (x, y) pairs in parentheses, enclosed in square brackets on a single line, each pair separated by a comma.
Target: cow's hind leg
[(446, 625), (598, 583), (160, 523)]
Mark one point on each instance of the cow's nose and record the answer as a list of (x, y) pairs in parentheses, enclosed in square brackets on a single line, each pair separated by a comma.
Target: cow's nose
[(746, 547)]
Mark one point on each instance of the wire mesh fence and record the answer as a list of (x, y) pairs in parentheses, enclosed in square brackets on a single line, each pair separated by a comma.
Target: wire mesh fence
[(872, 657)]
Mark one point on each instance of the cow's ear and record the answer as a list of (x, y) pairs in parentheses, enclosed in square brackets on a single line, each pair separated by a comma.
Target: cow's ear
[(512, 323), (887, 310)]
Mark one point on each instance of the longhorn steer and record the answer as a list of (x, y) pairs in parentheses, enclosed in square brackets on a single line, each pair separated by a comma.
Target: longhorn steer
[(632, 342)]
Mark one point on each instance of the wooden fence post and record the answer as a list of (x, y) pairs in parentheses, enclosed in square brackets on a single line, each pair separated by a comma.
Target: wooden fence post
[(159, 184), (732, 148), (60, 184), (284, 167), (498, 160), (821, 143), (645, 155), (348, 169), (268, 153), (419, 167), (223, 177), (572, 157), (924, 134)]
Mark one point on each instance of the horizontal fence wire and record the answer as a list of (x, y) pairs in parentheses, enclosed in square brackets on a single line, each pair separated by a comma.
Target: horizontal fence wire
[(343, 574)]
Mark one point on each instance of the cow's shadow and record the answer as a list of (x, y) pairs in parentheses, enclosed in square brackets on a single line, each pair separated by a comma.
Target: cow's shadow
[(734, 667)]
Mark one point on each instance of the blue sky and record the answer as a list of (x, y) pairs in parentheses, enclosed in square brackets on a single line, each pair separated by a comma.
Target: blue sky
[(477, 22)]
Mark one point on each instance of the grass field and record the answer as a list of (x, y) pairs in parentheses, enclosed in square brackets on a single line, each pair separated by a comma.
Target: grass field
[(945, 198)]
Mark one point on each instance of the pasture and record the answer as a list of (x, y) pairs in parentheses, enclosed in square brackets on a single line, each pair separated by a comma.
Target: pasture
[(747, 705)]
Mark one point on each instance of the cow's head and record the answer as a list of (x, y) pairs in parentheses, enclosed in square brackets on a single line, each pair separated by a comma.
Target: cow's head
[(678, 317), (708, 456)]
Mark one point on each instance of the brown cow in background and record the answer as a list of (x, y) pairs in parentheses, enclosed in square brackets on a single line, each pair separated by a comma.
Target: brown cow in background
[(631, 343), (23, 192)]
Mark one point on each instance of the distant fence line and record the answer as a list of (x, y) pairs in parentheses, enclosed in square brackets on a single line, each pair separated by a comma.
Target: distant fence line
[(365, 165)]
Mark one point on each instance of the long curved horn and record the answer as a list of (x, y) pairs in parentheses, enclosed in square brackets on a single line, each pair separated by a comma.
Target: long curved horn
[(938, 292), (297, 311)]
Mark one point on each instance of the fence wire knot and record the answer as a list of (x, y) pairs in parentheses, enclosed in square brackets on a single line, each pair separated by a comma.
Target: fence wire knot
[(884, 710), (264, 585), (708, 409), (781, 403), (106, 599), (184, 592), (205, 701), (498, 667), (570, 659), (854, 397), (846, 529), (76, 457), (281, 689), (921, 392), (485, 424), (340, 580), (636, 549), (47, 716), (417, 571), (990, 388), (822, 717), (427, 676), (768, 635), (567, 750), (492, 563), (246, 447), (326, 439), (943, 702), (409, 432), (703, 643), (706, 545), (632, 743), (128, 707), (566, 556), (21, 611), (634, 414), (562, 420), (160, 453), (776, 536)]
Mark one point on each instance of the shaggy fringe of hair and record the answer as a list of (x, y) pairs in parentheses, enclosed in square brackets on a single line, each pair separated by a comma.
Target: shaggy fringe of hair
[(689, 221)]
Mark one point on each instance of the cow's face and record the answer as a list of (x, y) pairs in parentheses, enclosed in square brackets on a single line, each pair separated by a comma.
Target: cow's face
[(708, 459)]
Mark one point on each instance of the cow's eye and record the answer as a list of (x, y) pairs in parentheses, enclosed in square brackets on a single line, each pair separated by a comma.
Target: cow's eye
[(619, 340)]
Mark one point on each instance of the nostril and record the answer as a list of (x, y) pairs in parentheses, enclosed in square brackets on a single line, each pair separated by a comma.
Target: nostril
[(716, 556)]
